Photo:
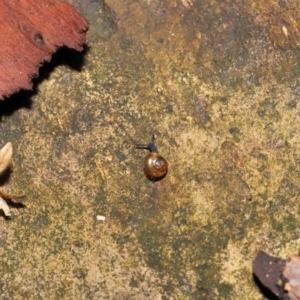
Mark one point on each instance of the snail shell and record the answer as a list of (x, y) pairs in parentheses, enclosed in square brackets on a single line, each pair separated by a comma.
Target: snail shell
[(155, 166)]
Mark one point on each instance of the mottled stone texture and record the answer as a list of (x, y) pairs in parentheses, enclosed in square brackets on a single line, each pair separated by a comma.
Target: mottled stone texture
[(30, 31), (211, 81)]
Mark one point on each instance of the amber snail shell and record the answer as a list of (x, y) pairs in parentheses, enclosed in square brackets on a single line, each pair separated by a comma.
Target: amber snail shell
[(155, 166)]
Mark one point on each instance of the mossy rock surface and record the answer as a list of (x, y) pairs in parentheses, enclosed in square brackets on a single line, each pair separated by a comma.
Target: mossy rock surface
[(218, 84)]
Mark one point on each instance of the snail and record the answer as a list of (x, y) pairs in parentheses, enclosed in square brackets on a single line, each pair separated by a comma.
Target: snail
[(155, 166)]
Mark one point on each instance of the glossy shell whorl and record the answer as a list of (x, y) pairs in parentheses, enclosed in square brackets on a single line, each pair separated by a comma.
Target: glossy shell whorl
[(155, 166)]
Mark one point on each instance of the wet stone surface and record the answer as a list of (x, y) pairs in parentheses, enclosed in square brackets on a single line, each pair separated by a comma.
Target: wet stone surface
[(217, 83)]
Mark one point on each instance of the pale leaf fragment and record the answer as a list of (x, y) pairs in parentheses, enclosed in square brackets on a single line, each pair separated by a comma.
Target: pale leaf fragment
[(5, 156), (4, 207), (10, 196)]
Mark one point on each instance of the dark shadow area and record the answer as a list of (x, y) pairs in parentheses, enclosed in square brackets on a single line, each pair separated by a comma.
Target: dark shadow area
[(5, 175), (264, 291), (62, 57), (23, 99), (13, 204), (17, 101), (2, 215)]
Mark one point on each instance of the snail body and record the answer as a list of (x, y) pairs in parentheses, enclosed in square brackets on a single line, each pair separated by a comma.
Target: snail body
[(155, 166)]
